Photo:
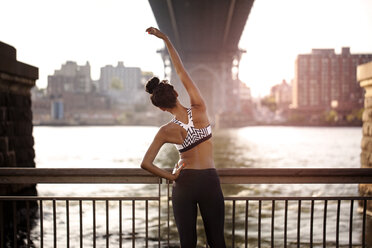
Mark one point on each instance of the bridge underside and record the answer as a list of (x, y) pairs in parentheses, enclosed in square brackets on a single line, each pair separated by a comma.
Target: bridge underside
[(206, 26), (206, 34)]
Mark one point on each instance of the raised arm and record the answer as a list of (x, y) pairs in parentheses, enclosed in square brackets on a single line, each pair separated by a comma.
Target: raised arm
[(196, 98)]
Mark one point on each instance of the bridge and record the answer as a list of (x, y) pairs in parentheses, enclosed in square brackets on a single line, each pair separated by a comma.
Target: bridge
[(206, 34)]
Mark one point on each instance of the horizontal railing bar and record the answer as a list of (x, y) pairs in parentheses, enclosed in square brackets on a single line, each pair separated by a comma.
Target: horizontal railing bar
[(294, 198), (295, 175), (76, 198), (292, 180), (227, 176), (77, 180), (297, 172), (227, 198), (76, 172), (75, 175)]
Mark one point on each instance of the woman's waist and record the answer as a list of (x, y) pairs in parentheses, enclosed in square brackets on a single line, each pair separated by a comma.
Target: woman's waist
[(199, 177), (202, 171), (191, 164)]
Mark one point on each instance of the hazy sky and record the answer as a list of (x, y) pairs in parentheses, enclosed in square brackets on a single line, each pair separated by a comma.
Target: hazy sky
[(48, 33)]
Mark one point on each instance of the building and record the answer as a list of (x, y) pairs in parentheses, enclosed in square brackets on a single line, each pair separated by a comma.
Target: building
[(71, 95), (70, 78), (41, 105), (325, 80), (123, 85), (245, 98), (282, 94)]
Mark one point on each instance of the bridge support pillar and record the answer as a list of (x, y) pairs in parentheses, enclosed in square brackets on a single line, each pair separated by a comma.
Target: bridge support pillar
[(364, 75), (212, 73)]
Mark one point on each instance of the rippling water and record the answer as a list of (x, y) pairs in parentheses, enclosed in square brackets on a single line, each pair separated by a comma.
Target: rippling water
[(273, 147)]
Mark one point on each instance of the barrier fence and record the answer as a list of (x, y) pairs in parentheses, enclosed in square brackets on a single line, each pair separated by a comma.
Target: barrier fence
[(146, 221)]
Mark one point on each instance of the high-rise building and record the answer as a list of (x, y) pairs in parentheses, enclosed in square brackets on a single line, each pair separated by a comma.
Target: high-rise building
[(70, 78), (71, 93), (325, 80), (73, 97), (123, 84)]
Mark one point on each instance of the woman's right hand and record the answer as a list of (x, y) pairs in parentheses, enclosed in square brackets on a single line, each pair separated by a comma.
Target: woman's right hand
[(156, 32), (177, 172)]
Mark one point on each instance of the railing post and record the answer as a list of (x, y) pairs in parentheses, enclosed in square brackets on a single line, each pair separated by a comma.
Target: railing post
[(28, 224), (133, 223), (68, 224), (108, 223), (272, 222), (285, 222), (159, 222), (147, 224), (168, 197), (246, 223), (325, 224), (41, 214), (94, 223), (351, 223), (299, 224), (259, 223), (312, 223), (54, 223), (14, 223), (233, 224), (364, 223), (2, 241), (120, 224)]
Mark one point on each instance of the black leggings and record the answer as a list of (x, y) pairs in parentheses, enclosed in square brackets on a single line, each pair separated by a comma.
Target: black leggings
[(199, 187)]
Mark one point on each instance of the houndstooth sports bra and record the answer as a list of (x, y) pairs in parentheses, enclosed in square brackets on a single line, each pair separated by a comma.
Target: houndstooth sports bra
[(194, 136)]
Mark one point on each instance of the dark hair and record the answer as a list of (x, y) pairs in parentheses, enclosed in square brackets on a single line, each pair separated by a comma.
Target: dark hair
[(162, 93)]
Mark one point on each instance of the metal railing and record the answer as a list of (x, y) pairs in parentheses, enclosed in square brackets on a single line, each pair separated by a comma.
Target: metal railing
[(247, 218)]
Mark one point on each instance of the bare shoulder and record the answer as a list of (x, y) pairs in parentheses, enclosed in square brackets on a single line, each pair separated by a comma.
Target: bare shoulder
[(168, 128), (170, 133)]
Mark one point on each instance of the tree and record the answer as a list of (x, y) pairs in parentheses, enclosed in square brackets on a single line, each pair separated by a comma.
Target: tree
[(269, 102), (331, 116), (116, 84)]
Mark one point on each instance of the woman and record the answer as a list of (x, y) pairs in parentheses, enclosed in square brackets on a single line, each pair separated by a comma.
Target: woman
[(195, 178)]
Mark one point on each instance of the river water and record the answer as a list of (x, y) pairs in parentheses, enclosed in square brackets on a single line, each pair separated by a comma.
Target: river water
[(248, 147)]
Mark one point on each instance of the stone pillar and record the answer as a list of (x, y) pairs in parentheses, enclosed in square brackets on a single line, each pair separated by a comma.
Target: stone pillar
[(16, 140), (364, 76), (16, 81)]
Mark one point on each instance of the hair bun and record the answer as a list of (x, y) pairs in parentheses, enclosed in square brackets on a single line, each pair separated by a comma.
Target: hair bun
[(152, 84)]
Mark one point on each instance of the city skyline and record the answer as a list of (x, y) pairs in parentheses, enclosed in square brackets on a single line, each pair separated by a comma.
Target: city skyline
[(49, 33)]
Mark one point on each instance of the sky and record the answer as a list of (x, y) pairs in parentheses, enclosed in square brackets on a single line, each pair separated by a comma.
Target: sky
[(46, 34)]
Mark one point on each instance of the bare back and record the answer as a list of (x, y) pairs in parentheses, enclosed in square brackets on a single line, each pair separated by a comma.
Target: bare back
[(200, 156)]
